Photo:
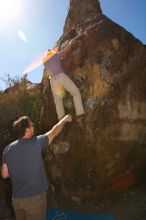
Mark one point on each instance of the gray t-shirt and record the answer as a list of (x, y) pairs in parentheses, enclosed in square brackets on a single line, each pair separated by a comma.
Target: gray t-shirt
[(25, 165)]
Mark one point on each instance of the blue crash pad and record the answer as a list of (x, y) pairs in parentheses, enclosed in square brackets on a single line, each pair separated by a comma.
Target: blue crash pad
[(60, 214)]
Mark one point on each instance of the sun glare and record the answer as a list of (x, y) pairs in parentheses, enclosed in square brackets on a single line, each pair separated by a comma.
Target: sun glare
[(9, 10)]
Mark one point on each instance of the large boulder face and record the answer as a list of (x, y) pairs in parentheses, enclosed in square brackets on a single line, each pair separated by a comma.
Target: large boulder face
[(79, 11), (108, 64)]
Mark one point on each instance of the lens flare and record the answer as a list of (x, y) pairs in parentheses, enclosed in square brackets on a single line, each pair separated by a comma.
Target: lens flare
[(33, 65), (46, 56)]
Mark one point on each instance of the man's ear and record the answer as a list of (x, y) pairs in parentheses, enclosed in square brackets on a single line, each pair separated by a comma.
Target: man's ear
[(26, 130)]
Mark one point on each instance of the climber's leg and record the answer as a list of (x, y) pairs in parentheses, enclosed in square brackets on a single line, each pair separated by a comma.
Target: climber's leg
[(58, 93), (69, 86)]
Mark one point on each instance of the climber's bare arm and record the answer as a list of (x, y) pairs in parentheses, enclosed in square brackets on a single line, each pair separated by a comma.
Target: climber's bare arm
[(68, 47)]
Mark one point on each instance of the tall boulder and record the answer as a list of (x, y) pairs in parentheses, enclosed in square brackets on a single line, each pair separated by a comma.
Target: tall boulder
[(79, 11), (108, 64)]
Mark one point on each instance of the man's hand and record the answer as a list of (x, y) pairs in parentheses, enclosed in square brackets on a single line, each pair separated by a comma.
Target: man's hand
[(55, 131), (67, 118)]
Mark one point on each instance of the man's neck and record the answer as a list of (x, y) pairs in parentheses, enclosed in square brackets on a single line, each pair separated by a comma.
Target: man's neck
[(27, 137)]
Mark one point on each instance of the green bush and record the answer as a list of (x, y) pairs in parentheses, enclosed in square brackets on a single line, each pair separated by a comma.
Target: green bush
[(16, 101)]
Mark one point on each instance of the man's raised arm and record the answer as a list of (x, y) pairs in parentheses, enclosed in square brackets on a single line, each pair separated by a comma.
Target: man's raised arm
[(55, 131)]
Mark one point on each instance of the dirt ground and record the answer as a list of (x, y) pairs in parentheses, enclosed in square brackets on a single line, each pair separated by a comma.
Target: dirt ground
[(129, 204)]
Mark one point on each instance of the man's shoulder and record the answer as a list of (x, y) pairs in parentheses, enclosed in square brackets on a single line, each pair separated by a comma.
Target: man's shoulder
[(14, 142), (10, 146), (41, 136), (43, 140)]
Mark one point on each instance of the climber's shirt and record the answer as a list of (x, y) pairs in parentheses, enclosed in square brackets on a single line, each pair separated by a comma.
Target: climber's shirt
[(53, 65)]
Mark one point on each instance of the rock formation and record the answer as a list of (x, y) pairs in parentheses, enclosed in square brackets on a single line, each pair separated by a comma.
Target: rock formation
[(108, 64)]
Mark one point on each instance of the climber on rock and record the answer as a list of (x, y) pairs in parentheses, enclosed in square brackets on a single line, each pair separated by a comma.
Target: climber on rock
[(59, 82)]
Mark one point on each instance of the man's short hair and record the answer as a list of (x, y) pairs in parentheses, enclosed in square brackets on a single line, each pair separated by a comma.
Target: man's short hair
[(21, 124)]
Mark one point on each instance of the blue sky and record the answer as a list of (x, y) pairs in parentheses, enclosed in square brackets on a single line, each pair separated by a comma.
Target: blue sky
[(30, 27)]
